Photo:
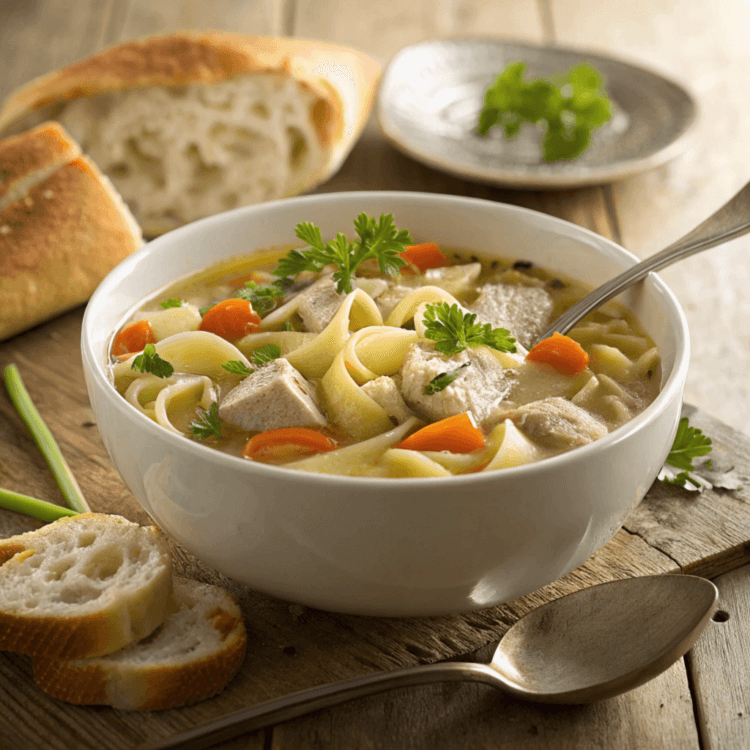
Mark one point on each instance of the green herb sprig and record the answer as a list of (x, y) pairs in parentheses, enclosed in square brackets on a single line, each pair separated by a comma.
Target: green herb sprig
[(689, 443), (237, 368), (442, 381), (379, 239), (263, 297), (569, 106), (171, 302), (452, 330), (207, 424), (265, 354), (150, 361)]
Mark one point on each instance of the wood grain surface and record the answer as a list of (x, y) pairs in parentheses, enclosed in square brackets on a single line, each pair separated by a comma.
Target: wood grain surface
[(705, 706)]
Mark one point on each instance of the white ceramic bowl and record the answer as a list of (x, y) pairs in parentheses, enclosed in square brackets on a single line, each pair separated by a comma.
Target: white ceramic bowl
[(386, 546)]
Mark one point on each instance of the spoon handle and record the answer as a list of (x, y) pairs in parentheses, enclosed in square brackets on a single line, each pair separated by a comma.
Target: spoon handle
[(306, 701), (732, 220)]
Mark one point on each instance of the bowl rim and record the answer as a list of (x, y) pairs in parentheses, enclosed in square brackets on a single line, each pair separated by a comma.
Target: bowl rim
[(96, 368)]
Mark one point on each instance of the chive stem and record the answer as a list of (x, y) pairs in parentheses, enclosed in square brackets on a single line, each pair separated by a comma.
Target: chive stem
[(39, 509), (45, 441)]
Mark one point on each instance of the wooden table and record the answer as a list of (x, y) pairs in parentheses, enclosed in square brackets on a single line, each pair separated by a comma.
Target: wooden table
[(704, 700)]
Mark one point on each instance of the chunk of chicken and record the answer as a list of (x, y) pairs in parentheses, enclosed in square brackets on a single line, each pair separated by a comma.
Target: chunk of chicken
[(524, 310), (480, 386), (557, 423), (274, 396), (385, 393), (319, 303)]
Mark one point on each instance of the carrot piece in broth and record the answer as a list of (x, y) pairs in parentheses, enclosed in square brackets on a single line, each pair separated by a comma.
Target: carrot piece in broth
[(425, 256), (132, 339), (457, 434), (286, 444), (231, 319), (561, 353)]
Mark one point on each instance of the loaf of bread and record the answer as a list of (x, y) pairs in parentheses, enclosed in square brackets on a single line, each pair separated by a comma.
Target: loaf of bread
[(63, 227), (192, 656), (83, 586), (191, 124)]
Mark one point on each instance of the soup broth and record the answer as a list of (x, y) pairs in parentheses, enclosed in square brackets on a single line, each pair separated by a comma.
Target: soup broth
[(374, 382)]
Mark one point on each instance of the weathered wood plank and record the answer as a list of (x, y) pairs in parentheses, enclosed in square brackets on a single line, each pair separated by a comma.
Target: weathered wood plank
[(719, 664)]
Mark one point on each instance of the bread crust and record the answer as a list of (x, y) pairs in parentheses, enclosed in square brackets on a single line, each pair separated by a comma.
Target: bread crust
[(113, 626), (58, 242), (38, 151), (343, 79), (151, 685)]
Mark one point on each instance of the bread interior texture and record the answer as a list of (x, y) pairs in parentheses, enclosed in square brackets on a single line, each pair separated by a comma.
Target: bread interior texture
[(182, 153)]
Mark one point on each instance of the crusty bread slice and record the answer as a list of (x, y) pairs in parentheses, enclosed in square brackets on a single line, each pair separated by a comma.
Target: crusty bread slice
[(192, 656), (29, 158), (64, 230), (193, 123), (83, 586)]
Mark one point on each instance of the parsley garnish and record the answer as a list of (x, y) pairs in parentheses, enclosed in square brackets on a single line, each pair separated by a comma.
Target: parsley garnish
[(689, 443), (569, 106), (208, 424), (443, 380), (172, 302), (265, 354), (263, 297), (237, 368), (150, 361), (378, 239), (452, 330)]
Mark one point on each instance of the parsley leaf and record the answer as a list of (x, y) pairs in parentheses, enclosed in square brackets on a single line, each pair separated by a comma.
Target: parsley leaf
[(443, 380), (237, 368), (689, 443), (150, 361), (569, 106), (265, 354), (208, 424), (378, 239), (263, 297), (172, 302), (453, 331)]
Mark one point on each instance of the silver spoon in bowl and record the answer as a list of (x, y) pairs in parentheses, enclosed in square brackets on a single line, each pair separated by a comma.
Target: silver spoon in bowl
[(590, 645), (732, 220)]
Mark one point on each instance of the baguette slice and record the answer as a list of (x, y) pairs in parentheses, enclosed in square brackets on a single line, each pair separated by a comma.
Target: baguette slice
[(30, 158), (63, 227), (83, 586), (192, 656), (194, 123)]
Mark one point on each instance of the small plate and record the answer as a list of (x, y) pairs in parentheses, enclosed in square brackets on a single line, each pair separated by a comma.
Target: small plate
[(432, 92)]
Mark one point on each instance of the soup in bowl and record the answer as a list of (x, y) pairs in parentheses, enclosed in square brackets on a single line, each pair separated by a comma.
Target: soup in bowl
[(386, 440)]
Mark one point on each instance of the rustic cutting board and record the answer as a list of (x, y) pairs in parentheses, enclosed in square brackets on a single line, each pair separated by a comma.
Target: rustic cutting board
[(292, 647)]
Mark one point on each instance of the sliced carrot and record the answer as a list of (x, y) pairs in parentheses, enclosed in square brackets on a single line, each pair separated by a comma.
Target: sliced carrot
[(560, 352), (425, 256), (133, 338), (231, 319), (286, 444), (457, 434)]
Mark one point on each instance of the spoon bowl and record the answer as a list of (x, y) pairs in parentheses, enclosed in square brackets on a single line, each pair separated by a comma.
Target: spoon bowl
[(590, 645)]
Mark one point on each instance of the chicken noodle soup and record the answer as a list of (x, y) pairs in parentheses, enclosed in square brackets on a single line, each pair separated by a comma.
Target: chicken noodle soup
[(421, 369)]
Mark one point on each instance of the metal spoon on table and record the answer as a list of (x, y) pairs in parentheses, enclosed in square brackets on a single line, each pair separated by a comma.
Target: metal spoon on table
[(732, 220), (592, 644)]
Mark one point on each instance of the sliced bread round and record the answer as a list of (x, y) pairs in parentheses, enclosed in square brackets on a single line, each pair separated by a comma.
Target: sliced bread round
[(83, 586), (192, 656)]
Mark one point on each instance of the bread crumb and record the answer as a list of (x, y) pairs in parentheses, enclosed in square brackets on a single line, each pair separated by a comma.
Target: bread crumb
[(28, 201), (4, 229), (48, 194)]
